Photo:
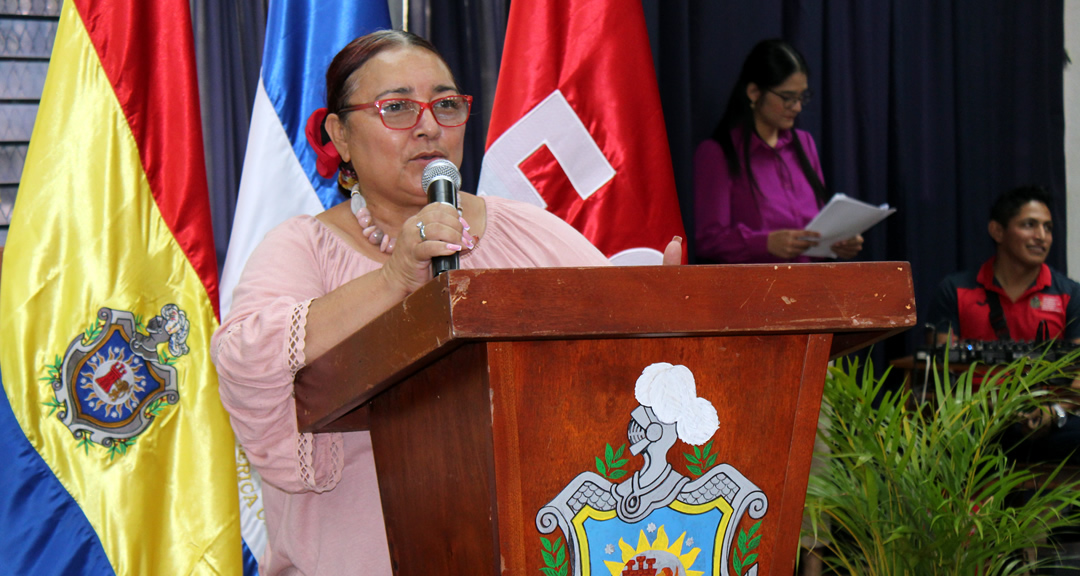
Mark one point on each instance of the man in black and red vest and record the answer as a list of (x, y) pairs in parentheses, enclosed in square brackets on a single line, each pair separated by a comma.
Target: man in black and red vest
[(1015, 295), (1014, 291)]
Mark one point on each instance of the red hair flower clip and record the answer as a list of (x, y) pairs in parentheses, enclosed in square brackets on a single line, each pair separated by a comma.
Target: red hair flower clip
[(327, 158)]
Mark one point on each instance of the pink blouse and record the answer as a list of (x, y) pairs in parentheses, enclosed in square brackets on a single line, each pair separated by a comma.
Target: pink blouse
[(320, 492)]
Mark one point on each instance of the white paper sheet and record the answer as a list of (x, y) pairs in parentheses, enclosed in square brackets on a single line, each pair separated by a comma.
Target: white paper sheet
[(842, 218)]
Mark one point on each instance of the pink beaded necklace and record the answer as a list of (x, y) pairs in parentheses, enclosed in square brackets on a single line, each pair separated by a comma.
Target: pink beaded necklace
[(373, 233), (377, 237)]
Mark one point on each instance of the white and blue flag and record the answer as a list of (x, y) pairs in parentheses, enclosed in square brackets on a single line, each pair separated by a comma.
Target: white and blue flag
[(279, 178)]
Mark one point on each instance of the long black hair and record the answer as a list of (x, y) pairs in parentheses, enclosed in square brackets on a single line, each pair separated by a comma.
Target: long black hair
[(768, 65)]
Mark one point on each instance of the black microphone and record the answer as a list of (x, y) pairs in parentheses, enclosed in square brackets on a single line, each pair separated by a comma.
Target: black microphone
[(441, 180)]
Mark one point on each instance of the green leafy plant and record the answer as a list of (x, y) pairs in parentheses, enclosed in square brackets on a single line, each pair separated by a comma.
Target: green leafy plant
[(613, 460), (91, 333), (923, 490), (120, 447), (747, 542), (52, 371), (554, 552), (85, 443), (155, 408), (54, 405), (700, 461)]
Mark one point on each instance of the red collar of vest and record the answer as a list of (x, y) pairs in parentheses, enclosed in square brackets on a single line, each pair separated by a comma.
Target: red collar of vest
[(986, 278)]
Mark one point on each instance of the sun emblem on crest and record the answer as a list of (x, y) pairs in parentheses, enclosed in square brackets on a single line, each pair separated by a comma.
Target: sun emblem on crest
[(656, 558), (118, 376)]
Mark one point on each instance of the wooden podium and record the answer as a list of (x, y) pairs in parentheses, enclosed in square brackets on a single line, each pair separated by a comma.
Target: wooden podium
[(502, 409)]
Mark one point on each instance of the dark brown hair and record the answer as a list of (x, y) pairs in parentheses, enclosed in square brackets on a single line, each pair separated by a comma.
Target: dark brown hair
[(354, 55)]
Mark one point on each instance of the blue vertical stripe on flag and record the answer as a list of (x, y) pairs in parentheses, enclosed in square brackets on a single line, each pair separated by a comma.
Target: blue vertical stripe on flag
[(302, 37)]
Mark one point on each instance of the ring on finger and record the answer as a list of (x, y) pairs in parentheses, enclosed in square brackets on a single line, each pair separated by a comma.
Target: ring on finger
[(420, 226)]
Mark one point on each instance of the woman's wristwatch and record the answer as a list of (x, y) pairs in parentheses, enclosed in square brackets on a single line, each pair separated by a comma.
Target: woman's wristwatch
[(1059, 415)]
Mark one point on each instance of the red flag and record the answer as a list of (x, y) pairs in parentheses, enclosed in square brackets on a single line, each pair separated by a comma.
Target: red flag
[(577, 126)]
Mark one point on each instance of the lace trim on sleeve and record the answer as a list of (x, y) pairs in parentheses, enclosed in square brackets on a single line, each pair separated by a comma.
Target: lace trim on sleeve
[(309, 447), (297, 335)]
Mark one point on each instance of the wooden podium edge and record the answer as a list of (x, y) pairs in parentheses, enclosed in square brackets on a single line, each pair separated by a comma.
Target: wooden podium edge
[(860, 303)]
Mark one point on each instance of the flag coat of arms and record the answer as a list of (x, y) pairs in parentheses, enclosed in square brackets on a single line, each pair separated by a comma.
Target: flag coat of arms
[(577, 126), (118, 455)]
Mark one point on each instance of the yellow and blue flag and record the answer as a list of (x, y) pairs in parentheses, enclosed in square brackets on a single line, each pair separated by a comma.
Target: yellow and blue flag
[(117, 454)]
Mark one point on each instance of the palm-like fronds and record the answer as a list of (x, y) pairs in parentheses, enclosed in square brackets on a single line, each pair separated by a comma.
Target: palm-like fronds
[(923, 491)]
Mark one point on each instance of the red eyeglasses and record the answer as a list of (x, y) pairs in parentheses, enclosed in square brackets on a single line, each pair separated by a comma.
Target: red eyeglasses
[(403, 114)]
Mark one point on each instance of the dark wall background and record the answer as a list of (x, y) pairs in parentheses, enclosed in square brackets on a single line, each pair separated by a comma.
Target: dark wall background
[(932, 106)]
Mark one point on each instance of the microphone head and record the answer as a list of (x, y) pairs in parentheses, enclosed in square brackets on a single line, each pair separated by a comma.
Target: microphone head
[(440, 169)]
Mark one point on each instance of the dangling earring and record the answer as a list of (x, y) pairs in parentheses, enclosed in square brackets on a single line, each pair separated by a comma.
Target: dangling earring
[(347, 176)]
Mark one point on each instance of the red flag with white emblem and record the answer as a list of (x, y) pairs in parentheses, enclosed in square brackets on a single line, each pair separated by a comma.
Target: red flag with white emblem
[(577, 126)]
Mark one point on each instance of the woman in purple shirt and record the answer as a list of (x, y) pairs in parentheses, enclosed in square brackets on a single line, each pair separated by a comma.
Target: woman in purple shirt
[(757, 181)]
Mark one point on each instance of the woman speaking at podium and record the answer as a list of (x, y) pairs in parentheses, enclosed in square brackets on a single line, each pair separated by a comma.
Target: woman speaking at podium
[(393, 107), (757, 181)]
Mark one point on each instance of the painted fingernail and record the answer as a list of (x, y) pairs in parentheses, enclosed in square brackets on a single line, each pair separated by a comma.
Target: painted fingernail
[(454, 247), (463, 222), (468, 239)]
